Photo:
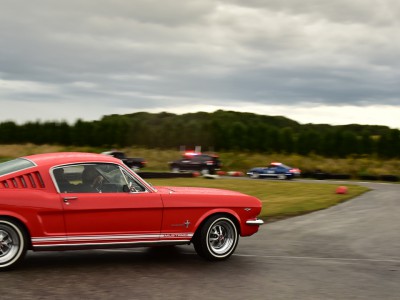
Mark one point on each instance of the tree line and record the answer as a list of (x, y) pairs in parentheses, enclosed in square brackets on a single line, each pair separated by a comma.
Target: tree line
[(217, 131)]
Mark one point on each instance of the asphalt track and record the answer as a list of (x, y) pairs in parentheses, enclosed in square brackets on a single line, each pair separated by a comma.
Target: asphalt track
[(350, 251)]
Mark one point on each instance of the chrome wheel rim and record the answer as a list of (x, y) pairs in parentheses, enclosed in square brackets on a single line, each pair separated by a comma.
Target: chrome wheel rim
[(221, 237), (9, 244), (204, 172)]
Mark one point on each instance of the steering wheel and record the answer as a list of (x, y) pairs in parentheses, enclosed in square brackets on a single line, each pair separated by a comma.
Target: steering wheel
[(98, 183)]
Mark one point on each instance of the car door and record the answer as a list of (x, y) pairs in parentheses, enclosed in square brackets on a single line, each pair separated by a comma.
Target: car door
[(185, 164), (111, 213), (196, 163), (270, 171)]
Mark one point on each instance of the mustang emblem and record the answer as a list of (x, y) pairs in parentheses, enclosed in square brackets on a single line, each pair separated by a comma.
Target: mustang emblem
[(186, 224)]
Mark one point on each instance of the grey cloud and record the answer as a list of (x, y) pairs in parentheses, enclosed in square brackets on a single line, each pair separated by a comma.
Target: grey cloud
[(145, 53), (377, 12)]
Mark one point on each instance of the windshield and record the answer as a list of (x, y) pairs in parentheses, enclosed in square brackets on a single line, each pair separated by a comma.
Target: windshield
[(15, 165)]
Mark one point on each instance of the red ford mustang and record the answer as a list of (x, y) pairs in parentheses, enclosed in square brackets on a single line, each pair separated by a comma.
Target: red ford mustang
[(62, 201)]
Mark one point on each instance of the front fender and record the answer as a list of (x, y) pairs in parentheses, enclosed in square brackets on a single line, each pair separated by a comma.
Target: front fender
[(215, 211)]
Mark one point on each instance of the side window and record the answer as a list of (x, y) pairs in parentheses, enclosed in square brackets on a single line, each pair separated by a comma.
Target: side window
[(92, 178), (133, 185), (68, 179)]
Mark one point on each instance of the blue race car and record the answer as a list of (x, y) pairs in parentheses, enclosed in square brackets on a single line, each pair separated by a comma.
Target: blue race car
[(274, 170)]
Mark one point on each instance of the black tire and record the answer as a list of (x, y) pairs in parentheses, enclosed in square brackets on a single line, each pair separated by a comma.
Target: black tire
[(13, 243), (217, 238)]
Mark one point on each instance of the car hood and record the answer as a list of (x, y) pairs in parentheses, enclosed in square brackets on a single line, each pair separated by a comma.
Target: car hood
[(207, 197), (196, 191)]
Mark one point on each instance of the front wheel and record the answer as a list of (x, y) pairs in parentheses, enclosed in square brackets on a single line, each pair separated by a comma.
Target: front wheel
[(255, 175), (217, 238), (13, 243), (175, 169), (205, 171)]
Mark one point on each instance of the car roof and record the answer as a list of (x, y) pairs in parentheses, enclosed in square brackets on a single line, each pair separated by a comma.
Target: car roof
[(191, 154), (59, 158)]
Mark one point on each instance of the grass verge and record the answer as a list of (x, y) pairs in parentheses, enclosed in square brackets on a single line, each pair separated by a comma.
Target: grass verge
[(280, 199), (157, 159)]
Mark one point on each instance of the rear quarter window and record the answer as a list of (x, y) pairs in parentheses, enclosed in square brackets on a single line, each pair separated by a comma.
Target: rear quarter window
[(15, 165)]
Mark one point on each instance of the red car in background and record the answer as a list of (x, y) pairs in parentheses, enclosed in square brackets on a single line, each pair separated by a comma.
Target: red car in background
[(63, 201)]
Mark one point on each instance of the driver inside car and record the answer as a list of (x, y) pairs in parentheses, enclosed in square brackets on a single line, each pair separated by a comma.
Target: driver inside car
[(92, 180)]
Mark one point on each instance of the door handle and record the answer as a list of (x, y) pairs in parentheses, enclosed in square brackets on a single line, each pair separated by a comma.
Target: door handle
[(66, 199)]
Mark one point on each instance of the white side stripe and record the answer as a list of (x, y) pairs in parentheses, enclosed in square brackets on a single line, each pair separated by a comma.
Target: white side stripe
[(111, 243), (110, 237)]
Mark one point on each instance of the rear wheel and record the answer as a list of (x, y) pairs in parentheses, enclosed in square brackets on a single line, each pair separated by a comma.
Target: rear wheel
[(13, 243), (217, 238)]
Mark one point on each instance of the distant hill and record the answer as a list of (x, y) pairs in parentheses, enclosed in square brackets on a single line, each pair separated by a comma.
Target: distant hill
[(219, 130), (247, 119)]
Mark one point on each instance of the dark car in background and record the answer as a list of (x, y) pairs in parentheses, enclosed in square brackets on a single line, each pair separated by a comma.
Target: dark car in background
[(274, 170), (195, 161), (135, 163)]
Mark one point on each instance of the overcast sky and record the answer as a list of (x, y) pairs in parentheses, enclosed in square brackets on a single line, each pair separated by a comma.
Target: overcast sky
[(315, 61)]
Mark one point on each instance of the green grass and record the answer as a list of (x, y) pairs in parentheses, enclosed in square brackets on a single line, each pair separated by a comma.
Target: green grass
[(280, 199), (232, 161)]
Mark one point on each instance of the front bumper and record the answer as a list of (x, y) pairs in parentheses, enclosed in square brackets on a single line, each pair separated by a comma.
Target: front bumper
[(256, 222)]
